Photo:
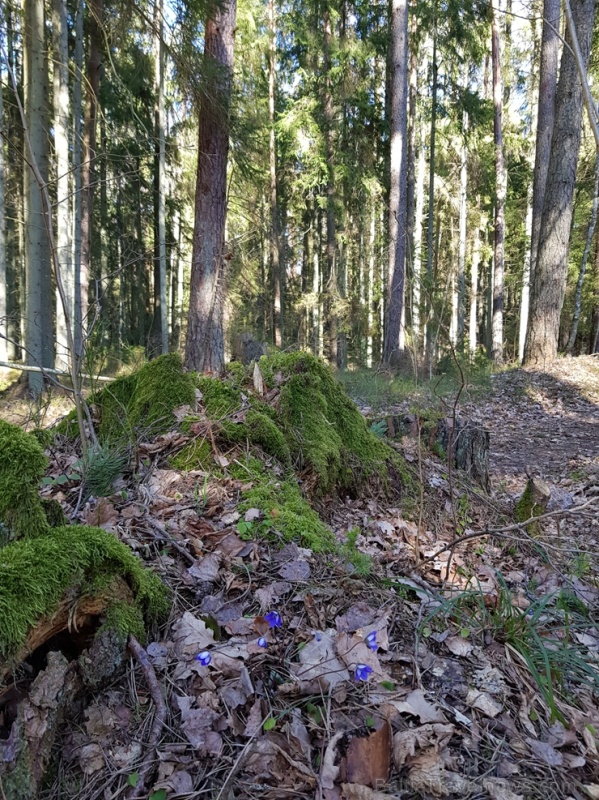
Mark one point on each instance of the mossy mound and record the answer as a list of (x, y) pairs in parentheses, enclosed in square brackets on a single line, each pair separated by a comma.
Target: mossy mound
[(139, 404), (36, 574), (22, 466)]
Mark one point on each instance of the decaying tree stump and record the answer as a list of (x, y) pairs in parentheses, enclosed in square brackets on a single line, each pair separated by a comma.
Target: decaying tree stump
[(532, 503), (469, 444)]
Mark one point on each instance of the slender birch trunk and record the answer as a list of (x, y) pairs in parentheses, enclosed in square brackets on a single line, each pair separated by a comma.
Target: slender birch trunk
[(474, 270), (463, 232), (431, 211), (275, 252), (77, 176)]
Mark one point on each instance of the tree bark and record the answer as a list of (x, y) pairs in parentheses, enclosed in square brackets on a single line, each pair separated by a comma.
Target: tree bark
[(549, 284), (3, 272), (500, 191), (77, 176), (463, 232), (331, 231), (430, 252), (545, 116), (398, 180), (36, 238), (64, 316), (584, 262), (160, 318), (88, 170), (275, 252), (205, 346)]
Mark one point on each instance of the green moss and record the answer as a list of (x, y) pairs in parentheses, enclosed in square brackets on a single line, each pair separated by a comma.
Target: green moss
[(323, 427), (143, 402), (260, 430), (124, 619), (220, 397), (22, 466), (54, 514), (35, 574), (195, 455), (527, 508)]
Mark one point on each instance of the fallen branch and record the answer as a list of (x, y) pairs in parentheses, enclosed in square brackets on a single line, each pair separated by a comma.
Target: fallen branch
[(48, 371), (507, 528), (139, 790)]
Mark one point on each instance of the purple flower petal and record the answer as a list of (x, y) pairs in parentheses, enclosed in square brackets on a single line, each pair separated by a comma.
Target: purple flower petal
[(204, 658), (274, 619), (262, 642), (371, 641), (363, 672)]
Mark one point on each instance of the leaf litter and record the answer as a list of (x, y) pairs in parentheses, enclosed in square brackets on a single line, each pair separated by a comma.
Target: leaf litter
[(451, 706)]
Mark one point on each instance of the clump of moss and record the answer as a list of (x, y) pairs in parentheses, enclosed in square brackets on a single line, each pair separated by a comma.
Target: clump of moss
[(34, 575), (257, 428), (144, 401), (22, 466), (195, 455), (322, 425), (54, 513), (286, 511)]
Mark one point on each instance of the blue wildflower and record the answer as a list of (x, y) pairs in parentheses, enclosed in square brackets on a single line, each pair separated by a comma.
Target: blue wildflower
[(371, 641), (204, 658), (363, 672), (262, 642), (274, 619)]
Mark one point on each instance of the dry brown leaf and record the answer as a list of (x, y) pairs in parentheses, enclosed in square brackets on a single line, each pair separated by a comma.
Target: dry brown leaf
[(329, 771), (319, 662), (91, 759), (417, 705), (354, 791), (499, 789), (254, 720), (546, 753), (429, 775), (406, 743), (459, 646), (206, 569), (368, 758), (483, 702), (191, 636)]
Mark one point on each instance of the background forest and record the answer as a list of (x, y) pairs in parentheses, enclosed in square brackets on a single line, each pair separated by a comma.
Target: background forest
[(382, 195)]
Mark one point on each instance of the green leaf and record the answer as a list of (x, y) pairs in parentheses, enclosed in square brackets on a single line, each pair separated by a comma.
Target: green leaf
[(426, 632), (159, 795), (269, 724), (389, 685), (62, 479), (47, 481), (465, 633), (369, 722), (133, 779)]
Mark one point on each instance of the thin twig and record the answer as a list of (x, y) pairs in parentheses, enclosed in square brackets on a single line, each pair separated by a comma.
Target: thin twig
[(137, 791)]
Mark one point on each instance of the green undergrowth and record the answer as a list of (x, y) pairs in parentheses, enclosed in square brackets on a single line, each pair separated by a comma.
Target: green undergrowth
[(288, 515), (546, 636), (140, 404), (47, 559), (36, 573)]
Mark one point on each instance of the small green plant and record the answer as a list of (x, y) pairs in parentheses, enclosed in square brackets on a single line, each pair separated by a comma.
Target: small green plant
[(379, 429), (580, 565), (361, 562), (541, 635)]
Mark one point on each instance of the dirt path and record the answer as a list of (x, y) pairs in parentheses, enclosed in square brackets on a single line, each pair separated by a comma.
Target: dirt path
[(545, 422)]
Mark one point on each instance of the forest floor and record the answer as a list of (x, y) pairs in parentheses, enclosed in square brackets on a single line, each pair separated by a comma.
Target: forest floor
[(479, 657)]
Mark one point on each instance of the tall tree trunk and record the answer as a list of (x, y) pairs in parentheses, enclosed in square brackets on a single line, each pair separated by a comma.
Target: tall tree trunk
[(549, 284), (463, 232), (275, 253), (474, 271), (329, 141), (159, 343), (411, 179), (594, 343), (88, 170), (550, 38), (584, 262), (370, 297), (525, 296), (3, 271), (205, 345), (64, 316), (77, 177), (398, 180), (36, 240), (418, 232), (500, 191), (431, 210)]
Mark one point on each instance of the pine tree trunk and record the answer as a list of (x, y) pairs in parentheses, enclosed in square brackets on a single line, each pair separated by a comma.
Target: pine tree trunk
[(550, 39), (64, 316), (77, 177), (331, 232), (398, 180), (549, 284), (36, 238), (500, 191), (159, 338), (370, 296), (3, 272), (583, 265), (474, 270), (418, 231), (525, 296), (205, 346), (275, 253), (431, 213), (463, 232), (88, 170)]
